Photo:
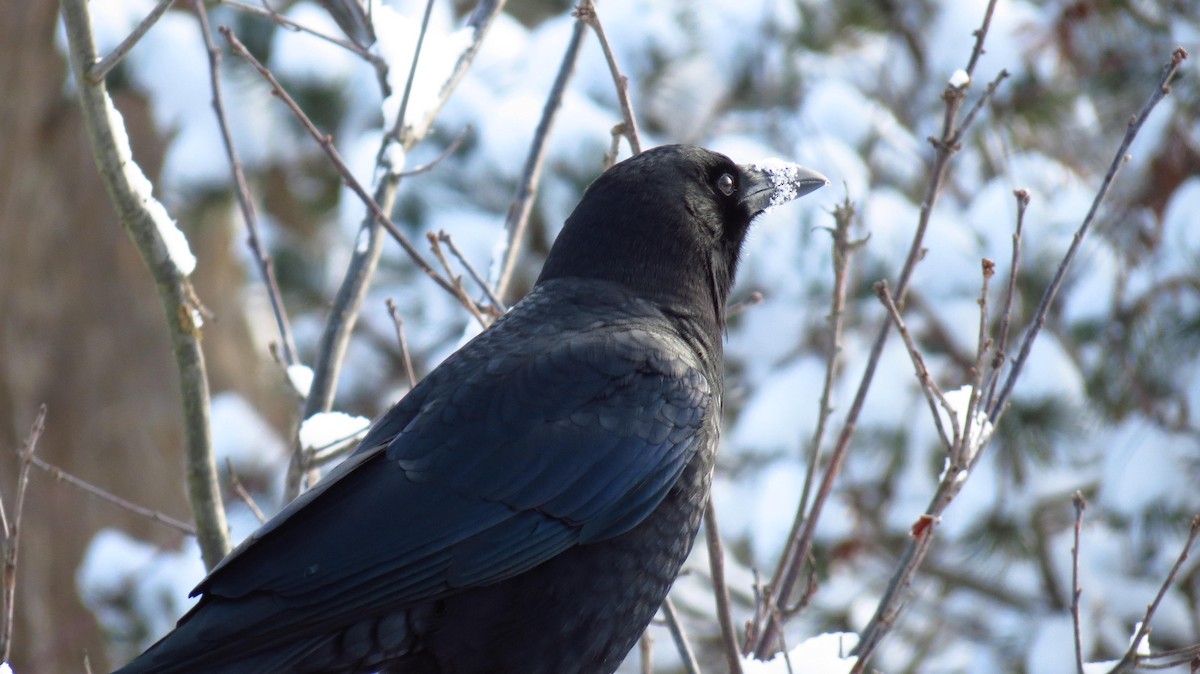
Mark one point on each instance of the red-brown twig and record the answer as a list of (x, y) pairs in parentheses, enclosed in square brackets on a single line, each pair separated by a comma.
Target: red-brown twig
[(266, 267)]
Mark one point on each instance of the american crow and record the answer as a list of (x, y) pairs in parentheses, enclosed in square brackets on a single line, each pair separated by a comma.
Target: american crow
[(527, 506)]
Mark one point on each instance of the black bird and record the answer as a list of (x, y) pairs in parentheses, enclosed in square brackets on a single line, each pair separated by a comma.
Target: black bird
[(527, 506)]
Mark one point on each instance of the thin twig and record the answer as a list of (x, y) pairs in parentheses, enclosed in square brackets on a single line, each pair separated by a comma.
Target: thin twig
[(240, 490), (381, 68), (287, 23), (1119, 159), (980, 35), (1076, 591), (587, 12), (404, 354), (675, 627), (63, 476), (963, 453), (326, 143), (716, 561), (498, 307), (933, 393), (142, 217), (517, 219), (1130, 660), (843, 248), (432, 164), (100, 69), (738, 307), (1010, 293), (12, 532), (266, 267), (351, 293), (646, 651), (459, 291), (764, 630), (398, 123)]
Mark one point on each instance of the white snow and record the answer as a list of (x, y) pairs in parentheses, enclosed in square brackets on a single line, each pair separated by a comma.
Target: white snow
[(174, 242), (242, 436), (300, 57), (136, 588), (326, 430), (301, 378), (959, 79), (823, 654), (397, 38), (980, 429), (784, 176)]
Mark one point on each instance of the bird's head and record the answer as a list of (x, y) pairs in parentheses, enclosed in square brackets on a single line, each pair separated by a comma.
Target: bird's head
[(669, 223)]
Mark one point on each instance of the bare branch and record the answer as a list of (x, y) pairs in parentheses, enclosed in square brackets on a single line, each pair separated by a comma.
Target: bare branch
[(404, 354), (646, 650), (344, 313), (586, 11), (456, 281), (933, 393), (12, 532), (430, 165), (326, 143), (522, 206), (83, 485), (1076, 592), (716, 561), (765, 631), (398, 126), (843, 249), (240, 490), (266, 267), (962, 453), (498, 307), (142, 217), (736, 308), (1130, 660), (100, 69), (1009, 296), (1119, 159), (675, 627)]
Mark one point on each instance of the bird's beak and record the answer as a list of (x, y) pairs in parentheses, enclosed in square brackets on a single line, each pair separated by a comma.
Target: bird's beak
[(768, 183)]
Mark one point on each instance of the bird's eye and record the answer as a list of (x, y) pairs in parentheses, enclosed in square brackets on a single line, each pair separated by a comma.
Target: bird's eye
[(725, 184)]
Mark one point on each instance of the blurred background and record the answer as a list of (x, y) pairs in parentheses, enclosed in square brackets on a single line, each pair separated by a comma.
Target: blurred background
[(1106, 405)]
